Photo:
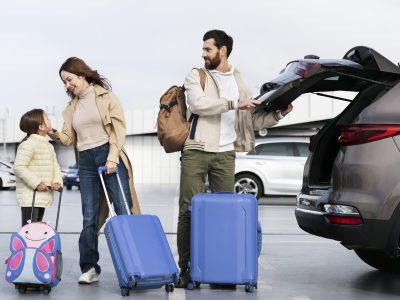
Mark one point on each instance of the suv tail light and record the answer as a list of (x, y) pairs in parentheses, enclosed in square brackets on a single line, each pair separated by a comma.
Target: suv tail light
[(305, 68), (342, 214), (344, 220), (364, 133)]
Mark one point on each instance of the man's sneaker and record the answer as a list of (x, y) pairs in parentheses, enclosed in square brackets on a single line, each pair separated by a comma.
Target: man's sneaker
[(89, 277), (183, 280)]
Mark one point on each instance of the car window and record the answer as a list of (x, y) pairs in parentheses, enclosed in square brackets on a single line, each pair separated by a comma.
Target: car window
[(302, 149), (274, 149)]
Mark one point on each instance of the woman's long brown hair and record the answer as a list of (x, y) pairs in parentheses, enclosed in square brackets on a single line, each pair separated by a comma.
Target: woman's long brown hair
[(78, 67)]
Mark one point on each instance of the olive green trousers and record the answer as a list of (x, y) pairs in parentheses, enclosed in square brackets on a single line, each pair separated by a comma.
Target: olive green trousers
[(195, 165)]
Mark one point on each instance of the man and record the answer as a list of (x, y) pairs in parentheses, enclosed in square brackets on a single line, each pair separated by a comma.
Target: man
[(226, 123)]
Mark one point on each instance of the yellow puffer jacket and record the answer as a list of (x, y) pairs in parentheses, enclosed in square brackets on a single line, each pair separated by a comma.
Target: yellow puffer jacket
[(36, 162)]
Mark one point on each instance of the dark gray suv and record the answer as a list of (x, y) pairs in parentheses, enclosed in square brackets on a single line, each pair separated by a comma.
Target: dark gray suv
[(351, 181)]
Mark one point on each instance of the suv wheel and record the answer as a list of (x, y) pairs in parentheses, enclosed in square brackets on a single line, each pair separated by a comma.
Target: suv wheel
[(248, 184), (69, 187), (379, 260)]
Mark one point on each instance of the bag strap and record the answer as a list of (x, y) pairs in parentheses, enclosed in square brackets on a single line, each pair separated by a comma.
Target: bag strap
[(203, 76), (205, 71), (193, 117)]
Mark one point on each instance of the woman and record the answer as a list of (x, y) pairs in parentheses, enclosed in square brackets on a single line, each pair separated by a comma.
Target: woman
[(94, 123)]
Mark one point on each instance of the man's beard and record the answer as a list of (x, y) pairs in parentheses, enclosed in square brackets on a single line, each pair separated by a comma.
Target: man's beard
[(212, 64)]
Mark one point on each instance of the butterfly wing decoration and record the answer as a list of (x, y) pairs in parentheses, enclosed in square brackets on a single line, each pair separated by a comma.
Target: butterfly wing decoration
[(43, 261), (16, 262)]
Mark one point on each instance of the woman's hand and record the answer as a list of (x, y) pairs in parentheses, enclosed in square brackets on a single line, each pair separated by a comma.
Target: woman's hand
[(111, 167), (51, 131)]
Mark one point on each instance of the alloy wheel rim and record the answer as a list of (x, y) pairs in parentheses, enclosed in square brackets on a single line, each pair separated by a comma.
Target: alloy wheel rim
[(246, 186)]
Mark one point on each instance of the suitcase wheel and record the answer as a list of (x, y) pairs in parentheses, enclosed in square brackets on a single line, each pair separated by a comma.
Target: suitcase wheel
[(124, 292), (190, 285), (46, 290), (250, 288), (169, 288), (22, 289), (197, 284)]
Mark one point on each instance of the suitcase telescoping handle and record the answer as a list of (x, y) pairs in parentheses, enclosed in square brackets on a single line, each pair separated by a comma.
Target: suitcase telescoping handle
[(58, 208), (100, 171)]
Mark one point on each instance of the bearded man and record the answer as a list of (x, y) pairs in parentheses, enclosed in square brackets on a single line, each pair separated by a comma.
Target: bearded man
[(224, 122)]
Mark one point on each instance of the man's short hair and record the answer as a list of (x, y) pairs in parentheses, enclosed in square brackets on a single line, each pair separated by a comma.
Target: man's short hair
[(221, 39)]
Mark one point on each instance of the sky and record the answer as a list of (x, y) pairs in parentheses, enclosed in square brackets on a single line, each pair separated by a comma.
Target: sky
[(144, 47)]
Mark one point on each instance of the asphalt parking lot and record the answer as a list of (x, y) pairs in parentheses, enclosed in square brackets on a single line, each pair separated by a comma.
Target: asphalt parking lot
[(292, 265)]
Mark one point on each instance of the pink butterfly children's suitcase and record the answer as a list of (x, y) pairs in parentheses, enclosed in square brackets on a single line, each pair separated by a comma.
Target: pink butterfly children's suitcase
[(36, 259)]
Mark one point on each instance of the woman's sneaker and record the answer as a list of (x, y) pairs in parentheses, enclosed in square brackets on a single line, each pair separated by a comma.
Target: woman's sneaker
[(89, 277)]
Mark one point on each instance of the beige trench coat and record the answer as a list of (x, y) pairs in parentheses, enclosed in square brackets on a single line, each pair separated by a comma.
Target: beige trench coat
[(113, 119)]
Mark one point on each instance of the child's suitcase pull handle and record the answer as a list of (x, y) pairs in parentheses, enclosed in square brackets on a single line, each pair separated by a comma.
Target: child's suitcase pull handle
[(60, 190)]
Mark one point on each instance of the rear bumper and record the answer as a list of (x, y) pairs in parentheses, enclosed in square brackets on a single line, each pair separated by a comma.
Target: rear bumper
[(372, 234)]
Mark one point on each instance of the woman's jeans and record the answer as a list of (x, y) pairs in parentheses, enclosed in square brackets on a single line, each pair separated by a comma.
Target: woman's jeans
[(90, 187)]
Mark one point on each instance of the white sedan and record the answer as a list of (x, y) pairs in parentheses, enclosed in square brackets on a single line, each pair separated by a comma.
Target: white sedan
[(274, 168), (7, 176)]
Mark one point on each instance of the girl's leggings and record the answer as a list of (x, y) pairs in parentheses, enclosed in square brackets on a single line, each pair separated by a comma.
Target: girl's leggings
[(38, 213)]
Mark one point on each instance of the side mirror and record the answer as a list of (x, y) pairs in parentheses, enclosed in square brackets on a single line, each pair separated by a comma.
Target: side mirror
[(311, 56)]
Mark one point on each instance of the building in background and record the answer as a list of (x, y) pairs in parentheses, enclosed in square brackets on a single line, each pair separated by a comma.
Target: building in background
[(151, 165)]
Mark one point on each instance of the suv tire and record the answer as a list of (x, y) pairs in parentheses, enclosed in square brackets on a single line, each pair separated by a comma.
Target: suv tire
[(248, 184), (379, 260)]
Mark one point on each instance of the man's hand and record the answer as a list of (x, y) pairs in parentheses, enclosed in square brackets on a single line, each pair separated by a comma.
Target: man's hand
[(248, 104), (288, 109), (111, 167), (55, 186), (42, 187)]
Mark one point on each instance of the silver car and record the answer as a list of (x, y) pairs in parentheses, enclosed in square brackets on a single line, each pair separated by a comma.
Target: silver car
[(7, 176), (274, 168), (351, 184)]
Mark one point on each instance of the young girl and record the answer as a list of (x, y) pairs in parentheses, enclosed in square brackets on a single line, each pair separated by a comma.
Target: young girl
[(36, 166)]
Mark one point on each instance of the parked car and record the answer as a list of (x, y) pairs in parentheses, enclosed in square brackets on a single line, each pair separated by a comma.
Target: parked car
[(351, 186), (7, 176), (71, 177), (274, 168)]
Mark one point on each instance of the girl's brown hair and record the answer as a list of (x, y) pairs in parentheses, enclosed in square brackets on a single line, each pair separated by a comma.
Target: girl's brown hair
[(30, 122), (78, 67)]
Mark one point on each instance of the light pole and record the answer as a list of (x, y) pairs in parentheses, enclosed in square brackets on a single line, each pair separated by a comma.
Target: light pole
[(4, 119)]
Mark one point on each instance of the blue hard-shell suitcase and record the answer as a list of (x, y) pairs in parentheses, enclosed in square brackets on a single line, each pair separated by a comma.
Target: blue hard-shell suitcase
[(140, 252), (225, 239)]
